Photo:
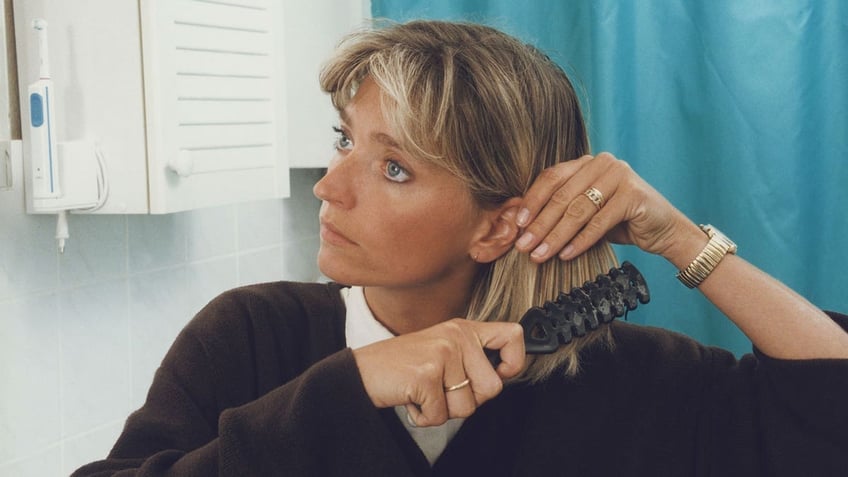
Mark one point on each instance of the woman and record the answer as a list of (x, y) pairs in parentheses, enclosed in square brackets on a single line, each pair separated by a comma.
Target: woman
[(443, 128)]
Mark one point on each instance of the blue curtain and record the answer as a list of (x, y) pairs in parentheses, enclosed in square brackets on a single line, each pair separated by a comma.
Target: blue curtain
[(737, 111)]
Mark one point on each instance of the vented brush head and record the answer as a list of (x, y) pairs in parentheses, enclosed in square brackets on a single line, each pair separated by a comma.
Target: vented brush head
[(581, 310), (584, 309)]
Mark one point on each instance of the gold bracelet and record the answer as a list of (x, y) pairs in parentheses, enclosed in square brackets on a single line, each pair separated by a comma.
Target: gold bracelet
[(706, 261)]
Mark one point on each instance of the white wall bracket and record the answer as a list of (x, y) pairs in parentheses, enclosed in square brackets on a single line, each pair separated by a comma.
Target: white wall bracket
[(78, 172), (11, 152)]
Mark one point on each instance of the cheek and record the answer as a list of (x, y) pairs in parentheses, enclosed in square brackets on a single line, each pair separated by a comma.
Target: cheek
[(427, 233)]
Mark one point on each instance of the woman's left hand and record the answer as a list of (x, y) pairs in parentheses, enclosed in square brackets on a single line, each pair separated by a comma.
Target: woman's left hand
[(560, 217)]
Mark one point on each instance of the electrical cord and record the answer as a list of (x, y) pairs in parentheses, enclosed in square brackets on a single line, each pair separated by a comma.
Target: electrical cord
[(102, 181), (62, 234)]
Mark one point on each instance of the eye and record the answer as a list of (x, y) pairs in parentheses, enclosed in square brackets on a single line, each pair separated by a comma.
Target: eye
[(395, 172), (342, 142)]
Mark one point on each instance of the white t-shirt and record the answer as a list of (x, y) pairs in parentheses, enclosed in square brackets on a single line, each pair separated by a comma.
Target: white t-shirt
[(362, 329)]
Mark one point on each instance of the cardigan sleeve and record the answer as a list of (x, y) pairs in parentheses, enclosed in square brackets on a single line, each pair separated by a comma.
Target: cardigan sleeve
[(805, 417), (790, 417), (236, 396)]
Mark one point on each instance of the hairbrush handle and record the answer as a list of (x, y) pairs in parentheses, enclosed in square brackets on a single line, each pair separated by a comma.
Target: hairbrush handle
[(581, 310)]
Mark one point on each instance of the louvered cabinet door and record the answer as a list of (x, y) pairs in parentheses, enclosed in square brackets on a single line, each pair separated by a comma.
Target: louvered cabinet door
[(214, 80), (192, 103)]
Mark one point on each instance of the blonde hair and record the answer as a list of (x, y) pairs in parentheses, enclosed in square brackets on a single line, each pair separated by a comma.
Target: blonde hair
[(495, 112)]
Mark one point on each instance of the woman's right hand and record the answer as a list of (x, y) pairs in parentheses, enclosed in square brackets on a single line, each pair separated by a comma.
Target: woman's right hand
[(416, 369)]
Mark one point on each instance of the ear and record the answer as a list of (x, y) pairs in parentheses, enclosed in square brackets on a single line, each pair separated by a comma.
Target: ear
[(498, 232)]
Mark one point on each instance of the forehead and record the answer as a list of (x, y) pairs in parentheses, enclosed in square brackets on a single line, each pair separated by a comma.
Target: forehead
[(365, 114), (366, 110)]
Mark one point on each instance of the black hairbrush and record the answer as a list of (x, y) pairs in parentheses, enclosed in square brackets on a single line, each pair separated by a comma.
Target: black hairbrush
[(581, 310)]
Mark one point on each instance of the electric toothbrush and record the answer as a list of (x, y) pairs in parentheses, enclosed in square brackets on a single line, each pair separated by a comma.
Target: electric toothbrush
[(45, 166)]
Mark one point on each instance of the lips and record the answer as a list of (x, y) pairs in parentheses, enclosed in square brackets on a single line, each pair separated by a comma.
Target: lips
[(332, 235)]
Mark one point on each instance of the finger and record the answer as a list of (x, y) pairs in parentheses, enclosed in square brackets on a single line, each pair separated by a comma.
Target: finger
[(457, 403), (485, 383), (508, 339), (577, 214), (595, 229), (444, 367), (579, 210), (604, 175), (581, 174), (544, 188), (430, 409), (443, 362), (545, 221), (460, 398), (465, 379), (458, 391), (622, 201), (413, 415), (585, 218)]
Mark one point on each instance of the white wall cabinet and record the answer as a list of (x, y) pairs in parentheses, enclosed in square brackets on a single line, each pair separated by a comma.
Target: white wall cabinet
[(311, 115), (194, 103)]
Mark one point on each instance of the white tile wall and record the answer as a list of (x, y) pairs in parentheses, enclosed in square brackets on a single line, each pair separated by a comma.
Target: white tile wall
[(82, 333)]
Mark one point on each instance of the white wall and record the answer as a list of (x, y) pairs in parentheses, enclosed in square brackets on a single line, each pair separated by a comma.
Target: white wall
[(81, 333)]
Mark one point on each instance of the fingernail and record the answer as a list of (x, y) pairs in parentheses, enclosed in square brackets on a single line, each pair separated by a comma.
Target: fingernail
[(566, 252), (540, 251), (523, 217), (409, 420), (525, 240)]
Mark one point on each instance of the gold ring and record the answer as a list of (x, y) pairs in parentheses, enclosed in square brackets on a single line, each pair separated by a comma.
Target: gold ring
[(457, 386), (595, 196)]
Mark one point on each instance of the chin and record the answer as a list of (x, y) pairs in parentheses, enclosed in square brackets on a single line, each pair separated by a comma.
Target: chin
[(334, 269)]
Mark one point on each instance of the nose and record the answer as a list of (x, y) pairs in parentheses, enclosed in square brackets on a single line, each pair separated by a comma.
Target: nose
[(334, 187)]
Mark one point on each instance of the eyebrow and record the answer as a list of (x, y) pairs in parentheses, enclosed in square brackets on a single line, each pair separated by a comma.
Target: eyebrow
[(386, 140), (380, 137)]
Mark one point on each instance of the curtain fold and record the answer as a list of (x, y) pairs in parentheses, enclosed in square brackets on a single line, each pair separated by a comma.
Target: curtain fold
[(737, 111)]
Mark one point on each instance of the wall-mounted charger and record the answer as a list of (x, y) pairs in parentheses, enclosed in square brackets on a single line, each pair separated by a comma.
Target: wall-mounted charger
[(78, 170)]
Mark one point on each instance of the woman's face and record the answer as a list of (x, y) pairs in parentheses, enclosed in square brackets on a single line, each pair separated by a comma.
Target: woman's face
[(387, 218)]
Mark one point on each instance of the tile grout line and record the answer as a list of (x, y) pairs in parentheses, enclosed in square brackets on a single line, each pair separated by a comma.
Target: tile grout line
[(128, 298), (60, 314)]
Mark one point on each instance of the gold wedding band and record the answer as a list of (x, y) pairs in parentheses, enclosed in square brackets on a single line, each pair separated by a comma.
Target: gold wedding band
[(457, 386), (595, 196)]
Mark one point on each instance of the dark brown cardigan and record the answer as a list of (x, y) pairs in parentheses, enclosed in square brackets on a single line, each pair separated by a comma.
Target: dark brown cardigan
[(260, 383)]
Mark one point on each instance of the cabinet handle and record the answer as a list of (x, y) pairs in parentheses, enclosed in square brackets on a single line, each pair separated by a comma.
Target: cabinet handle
[(182, 163)]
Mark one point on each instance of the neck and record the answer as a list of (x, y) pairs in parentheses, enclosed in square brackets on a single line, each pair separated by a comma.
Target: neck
[(405, 310)]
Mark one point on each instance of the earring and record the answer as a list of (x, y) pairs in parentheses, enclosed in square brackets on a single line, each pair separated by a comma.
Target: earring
[(476, 254)]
